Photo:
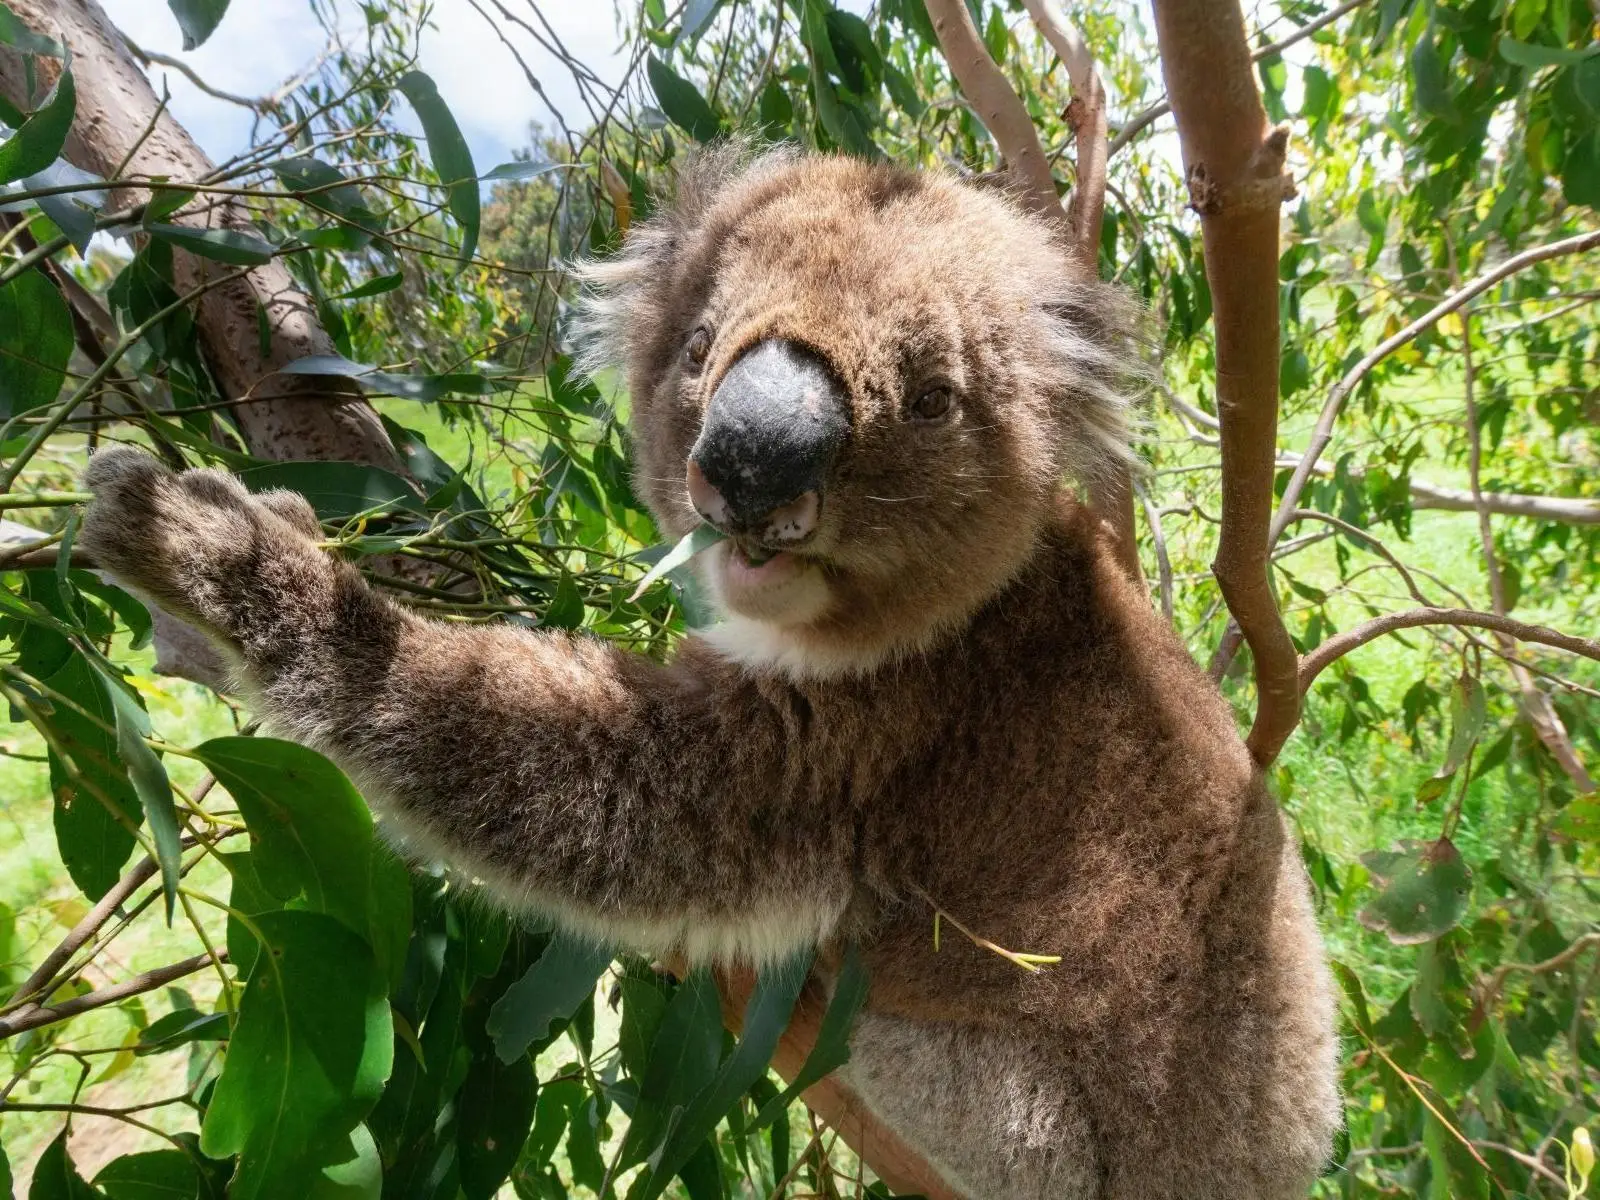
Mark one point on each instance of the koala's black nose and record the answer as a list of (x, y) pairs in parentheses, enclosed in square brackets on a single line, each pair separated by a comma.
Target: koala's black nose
[(771, 433)]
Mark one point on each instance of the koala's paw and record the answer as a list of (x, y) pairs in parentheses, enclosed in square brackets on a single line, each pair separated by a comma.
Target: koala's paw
[(199, 543)]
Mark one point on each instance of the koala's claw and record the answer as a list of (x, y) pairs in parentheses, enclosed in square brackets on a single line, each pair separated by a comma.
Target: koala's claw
[(198, 543)]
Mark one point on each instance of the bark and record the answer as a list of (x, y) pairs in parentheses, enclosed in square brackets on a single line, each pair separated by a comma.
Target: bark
[(1234, 166), (121, 132), (294, 417)]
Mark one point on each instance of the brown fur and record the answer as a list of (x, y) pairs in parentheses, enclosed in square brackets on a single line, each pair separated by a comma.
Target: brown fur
[(983, 710)]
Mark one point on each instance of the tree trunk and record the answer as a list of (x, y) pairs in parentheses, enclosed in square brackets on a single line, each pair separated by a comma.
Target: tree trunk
[(292, 417)]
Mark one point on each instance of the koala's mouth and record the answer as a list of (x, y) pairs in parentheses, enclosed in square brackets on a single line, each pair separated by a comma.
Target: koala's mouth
[(756, 580)]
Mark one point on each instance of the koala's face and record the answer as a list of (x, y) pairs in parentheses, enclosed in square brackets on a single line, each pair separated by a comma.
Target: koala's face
[(872, 380)]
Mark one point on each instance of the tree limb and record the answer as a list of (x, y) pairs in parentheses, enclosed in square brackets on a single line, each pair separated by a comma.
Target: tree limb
[(33, 1016), (1138, 123), (1336, 647), (1346, 386), (1086, 114), (1235, 171)]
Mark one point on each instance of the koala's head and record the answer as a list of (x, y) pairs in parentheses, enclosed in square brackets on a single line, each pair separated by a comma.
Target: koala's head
[(873, 380)]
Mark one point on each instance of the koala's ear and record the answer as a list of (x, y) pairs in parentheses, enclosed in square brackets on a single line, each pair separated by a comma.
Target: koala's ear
[(624, 296), (1101, 365)]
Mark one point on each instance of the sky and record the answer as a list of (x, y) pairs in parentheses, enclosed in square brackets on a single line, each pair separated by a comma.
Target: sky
[(261, 43)]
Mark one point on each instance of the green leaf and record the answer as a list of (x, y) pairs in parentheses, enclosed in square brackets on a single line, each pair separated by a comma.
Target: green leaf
[(832, 1047), (496, 1110), (197, 18), (357, 1177), (336, 490), (558, 981), (17, 35), (1524, 54), (156, 1175), (38, 142), (373, 287), (1467, 715), (35, 343), (1424, 889), (180, 1028), (231, 246), (448, 152), (683, 104), (565, 610), (6, 1186), (312, 836), (308, 1057), (328, 187), (698, 540), (518, 172), (766, 1015), (695, 15), (149, 779), (1429, 81), (94, 845), (55, 1176), (683, 1062), (407, 387), (903, 92)]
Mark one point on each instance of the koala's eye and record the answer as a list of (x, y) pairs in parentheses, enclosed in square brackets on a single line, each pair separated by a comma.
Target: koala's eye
[(697, 347), (933, 405)]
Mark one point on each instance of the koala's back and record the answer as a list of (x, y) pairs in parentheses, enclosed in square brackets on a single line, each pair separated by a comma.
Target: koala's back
[(1061, 779)]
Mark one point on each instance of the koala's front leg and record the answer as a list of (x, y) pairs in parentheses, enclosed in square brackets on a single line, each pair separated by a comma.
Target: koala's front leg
[(650, 805), (243, 568)]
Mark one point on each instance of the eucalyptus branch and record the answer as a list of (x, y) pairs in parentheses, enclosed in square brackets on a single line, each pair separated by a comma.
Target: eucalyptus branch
[(36, 1016), (1336, 647), (1142, 120)]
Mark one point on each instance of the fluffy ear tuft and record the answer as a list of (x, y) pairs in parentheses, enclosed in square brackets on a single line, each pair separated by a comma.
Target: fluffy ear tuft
[(625, 293), (1099, 350)]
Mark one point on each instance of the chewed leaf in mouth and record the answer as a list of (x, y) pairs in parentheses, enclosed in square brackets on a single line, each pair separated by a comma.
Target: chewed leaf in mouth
[(757, 555), (697, 541)]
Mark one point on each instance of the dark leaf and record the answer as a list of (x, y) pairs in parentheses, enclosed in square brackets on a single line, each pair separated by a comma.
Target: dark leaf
[(559, 980), (681, 101), (197, 18), (179, 1028), (231, 246), (90, 784), (373, 287), (149, 780), (55, 1176), (766, 1015), (35, 343), (1424, 889), (156, 1175), (831, 1050), (496, 1111), (337, 490), (451, 158), (37, 143)]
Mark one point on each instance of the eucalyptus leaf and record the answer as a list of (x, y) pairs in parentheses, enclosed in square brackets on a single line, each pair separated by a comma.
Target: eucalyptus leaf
[(198, 19), (452, 159), (38, 141), (35, 343), (1423, 890), (308, 1058), (552, 988)]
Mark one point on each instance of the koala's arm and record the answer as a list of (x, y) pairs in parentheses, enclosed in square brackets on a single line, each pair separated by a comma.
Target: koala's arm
[(628, 800)]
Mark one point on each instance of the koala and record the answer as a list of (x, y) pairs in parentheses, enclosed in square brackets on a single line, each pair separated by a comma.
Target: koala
[(930, 685)]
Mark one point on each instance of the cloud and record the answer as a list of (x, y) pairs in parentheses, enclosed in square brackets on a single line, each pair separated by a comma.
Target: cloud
[(261, 43)]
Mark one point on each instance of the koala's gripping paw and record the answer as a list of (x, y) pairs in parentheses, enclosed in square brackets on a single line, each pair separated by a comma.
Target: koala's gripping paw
[(202, 546)]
